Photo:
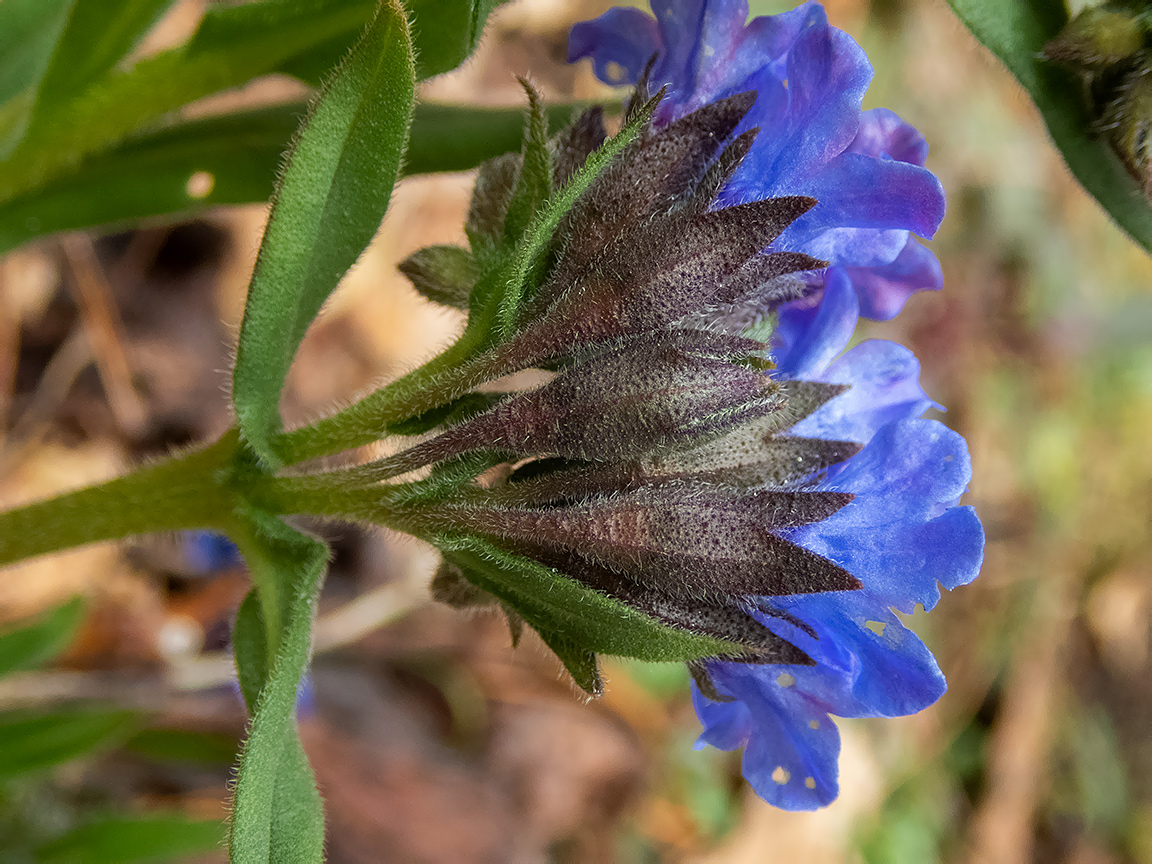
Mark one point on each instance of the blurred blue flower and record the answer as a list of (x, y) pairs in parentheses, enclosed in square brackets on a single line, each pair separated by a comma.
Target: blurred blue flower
[(207, 552), (904, 532)]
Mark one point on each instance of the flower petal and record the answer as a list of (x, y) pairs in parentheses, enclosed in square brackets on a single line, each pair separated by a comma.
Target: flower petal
[(884, 134), (856, 191), (813, 331), (619, 42), (885, 386), (791, 746), (883, 290)]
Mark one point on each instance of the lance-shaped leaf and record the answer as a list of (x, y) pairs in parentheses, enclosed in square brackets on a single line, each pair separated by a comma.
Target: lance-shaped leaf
[(99, 34), (33, 740), (277, 815), (534, 184), (443, 274), (234, 158), (234, 43), (38, 641), (152, 838), (446, 32), (29, 30), (444, 35), (1017, 33), (330, 201)]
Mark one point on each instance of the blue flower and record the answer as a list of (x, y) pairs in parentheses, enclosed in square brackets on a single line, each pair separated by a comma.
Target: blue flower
[(865, 169), (903, 533), (207, 552)]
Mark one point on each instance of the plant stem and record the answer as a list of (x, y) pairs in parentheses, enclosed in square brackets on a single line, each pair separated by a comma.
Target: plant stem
[(437, 382), (189, 491), (348, 495)]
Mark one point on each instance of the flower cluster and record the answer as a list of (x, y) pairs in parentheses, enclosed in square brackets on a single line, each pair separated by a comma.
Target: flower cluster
[(707, 476), (902, 533), (648, 470)]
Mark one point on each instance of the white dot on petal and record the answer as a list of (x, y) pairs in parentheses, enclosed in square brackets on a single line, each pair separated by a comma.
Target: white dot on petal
[(615, 72), (810, 782), (781, 776), (785, 680), (813, 724)]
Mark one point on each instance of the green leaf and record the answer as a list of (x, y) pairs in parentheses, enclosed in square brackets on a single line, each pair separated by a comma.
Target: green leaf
[(31, 740), (234, 157), (126, 840), (444, 35), (443, 274), (447, 375), (534, 184), (448, 414), (250, 648), (559, 608), (536, 238), (580, 662), (29, 30), (1017, 33), (446, 32), (99, 34), (39, 641), (330, 201), (184, 745), (277, 815), (235, 43), (458, 138), (237, 157)]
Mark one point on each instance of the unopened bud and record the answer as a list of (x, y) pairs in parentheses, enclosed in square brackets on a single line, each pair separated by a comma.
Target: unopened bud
[(1097, 39), (666, 389), (684, 541)]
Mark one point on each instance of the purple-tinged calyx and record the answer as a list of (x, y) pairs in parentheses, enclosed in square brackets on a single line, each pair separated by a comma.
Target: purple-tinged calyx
[(667, 389)]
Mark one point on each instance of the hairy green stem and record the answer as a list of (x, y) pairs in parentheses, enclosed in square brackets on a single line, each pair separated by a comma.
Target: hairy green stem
[(188, 491), (348, 495), (442, 379)]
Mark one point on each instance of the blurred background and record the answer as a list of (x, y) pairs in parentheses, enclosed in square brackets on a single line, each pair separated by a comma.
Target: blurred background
[(435, 741)]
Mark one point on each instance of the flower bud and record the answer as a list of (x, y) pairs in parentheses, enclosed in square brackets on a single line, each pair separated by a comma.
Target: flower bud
[(663, 270), (1128, 121), (687, 541), (718, 619), (1097, 39), (752, 454), (666, 389)]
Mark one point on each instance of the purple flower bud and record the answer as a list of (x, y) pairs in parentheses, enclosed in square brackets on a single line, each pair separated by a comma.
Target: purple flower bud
[(666, 389), (688, 541), (661, 271)]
